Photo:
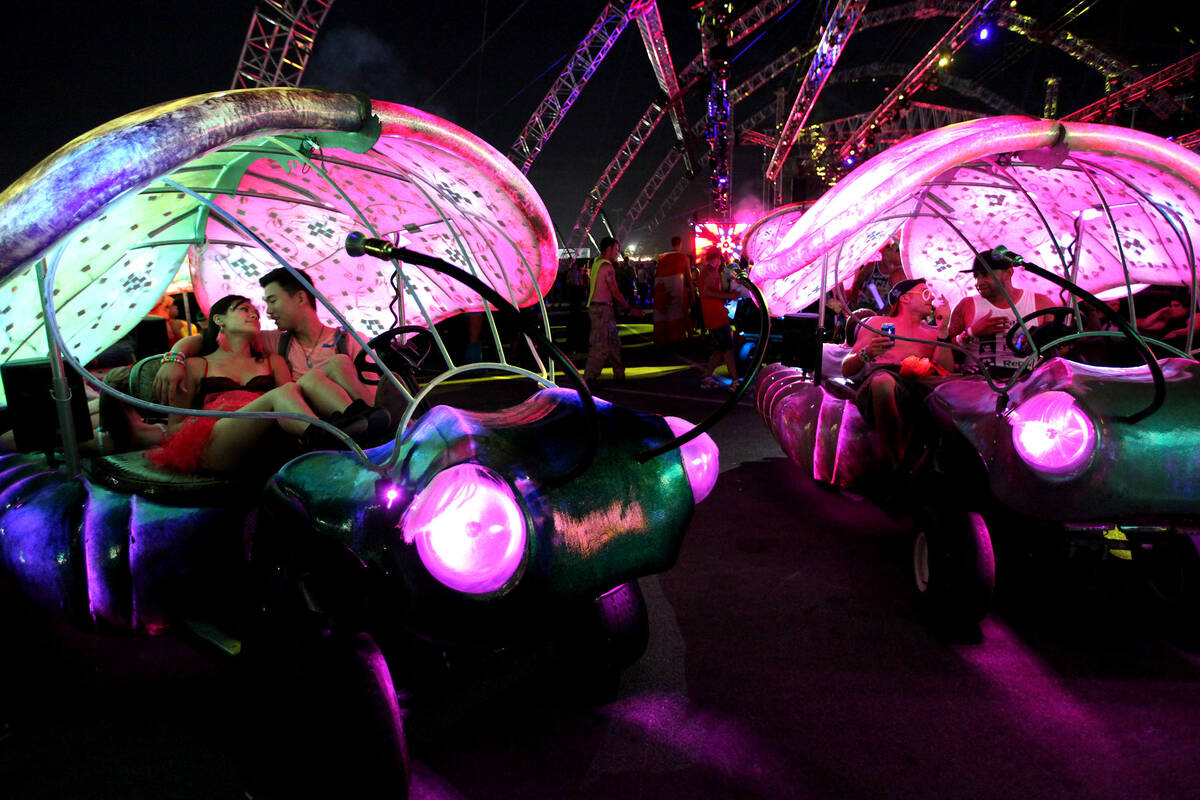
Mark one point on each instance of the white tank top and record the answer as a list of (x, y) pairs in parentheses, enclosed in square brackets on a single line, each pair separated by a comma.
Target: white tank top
[(993, 350)]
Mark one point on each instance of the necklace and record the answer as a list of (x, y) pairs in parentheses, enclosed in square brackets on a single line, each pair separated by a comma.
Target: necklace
[(308, 354)]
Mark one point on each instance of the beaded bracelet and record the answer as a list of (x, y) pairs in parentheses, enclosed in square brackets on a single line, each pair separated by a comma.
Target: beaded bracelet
[(173, 357)]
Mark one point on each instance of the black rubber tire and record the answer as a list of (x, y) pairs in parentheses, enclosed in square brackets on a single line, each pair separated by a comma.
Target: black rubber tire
[(954, 568), (322, 720), (1171, 575), (622, 626)]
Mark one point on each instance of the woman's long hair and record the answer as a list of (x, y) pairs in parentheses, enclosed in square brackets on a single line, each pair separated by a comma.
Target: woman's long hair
[(208, 343)]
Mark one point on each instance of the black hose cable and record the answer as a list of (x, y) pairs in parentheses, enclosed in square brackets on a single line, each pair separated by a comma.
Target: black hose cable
[(1160, 383), (760, 351), (358, 245)]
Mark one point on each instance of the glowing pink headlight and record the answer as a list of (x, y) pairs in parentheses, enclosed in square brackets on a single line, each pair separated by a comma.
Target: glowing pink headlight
[(1052, 434), (468, 528), (701, 460)]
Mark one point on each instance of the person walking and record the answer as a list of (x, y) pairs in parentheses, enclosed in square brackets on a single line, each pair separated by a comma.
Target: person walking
[(604, 296), (672, 294)]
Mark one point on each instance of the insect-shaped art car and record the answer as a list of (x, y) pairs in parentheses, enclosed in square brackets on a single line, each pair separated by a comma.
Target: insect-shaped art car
[(1092, 437), (472, 532)]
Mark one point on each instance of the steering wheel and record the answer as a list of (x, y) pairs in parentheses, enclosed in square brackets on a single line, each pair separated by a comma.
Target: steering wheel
[(1046, 332), (403, 359)]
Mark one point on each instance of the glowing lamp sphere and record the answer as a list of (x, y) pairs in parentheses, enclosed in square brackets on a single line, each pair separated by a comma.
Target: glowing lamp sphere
[(1053, 434), (468, 528), (701, 460)]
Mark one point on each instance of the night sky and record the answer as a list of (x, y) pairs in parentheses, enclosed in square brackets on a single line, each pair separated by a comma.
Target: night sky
[(485, 65)]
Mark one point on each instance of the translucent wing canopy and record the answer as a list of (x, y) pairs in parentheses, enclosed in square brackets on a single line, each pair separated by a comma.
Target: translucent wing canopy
[(1105, 206), (122, 210)]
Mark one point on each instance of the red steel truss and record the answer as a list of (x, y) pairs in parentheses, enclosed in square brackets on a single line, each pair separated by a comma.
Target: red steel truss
[(279, 42), (1112, 103)]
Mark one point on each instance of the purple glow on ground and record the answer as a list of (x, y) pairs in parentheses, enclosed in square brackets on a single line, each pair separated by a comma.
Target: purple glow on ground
[(1052, 434), (703, 736), (1043, 709), (468, 528), (701, 459)]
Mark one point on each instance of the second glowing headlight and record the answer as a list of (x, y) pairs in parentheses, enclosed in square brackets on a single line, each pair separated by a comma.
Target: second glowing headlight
[(1053, 435)]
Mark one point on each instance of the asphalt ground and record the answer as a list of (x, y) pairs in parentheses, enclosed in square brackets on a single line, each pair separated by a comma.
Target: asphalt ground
[(786, 660)]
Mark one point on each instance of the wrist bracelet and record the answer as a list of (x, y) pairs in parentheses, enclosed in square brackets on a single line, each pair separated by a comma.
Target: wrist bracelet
[(866, 359), (173, 357)]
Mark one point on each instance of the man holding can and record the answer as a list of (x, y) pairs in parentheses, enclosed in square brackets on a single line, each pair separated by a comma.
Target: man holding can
[(894, 359)]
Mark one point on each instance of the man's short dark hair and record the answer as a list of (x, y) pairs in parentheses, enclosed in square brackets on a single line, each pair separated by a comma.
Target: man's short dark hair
[(606, 243), (287, 281), (676, 242)]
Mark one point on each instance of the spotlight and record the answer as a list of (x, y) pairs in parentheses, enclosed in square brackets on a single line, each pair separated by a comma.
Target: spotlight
[(984, 33)]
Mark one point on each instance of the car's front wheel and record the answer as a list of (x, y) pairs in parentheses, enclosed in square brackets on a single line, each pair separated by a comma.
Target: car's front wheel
[(953, 566)]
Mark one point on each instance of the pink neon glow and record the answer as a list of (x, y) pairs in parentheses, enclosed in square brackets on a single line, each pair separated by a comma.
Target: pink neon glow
[(1052, 434), (425, 184), (701, 459), (468, 528), (391, 495), (98, 209), (1000, 180)]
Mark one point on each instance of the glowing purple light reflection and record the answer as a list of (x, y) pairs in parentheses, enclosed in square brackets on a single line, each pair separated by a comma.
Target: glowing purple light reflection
[(468, 528), (1052, 434), (701, 459)]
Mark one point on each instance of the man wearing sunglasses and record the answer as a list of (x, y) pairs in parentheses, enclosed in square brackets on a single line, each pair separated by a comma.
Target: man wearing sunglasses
[(893, 359)]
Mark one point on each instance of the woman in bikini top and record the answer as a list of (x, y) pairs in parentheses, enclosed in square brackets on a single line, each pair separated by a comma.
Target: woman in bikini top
[(244, 379)]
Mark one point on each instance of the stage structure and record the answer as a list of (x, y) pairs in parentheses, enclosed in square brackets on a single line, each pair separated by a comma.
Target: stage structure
[(566, 88), (1113, 70), (279, 43), (282, 33), (833, 41), (938, 57), (722, 233), (745, 25)]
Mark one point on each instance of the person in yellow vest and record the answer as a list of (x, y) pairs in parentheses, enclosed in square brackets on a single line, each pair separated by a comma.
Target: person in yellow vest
[(604, 297)]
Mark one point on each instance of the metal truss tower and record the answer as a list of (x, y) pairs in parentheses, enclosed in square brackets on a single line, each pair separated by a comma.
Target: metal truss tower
[(562, 95), (833, 41), (745, 25), (650, 25), (1110, 104), (616, 168), (891, 106), (279, 42), (716, 42)]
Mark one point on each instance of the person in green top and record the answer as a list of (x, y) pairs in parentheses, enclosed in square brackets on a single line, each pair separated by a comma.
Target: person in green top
[(604, 345)]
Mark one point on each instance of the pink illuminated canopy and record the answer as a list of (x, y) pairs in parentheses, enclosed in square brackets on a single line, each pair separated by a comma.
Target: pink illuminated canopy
[(123, 209), (1102, 205)]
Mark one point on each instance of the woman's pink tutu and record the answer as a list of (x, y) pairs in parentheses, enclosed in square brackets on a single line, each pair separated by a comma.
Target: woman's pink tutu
[(183, 448)]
